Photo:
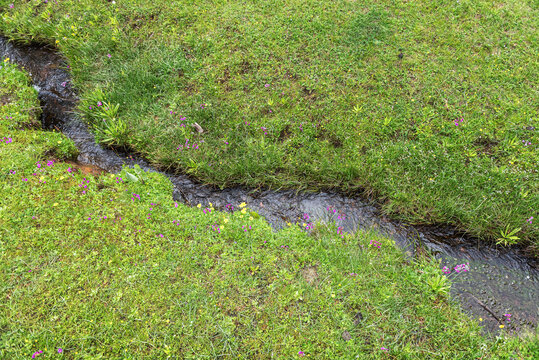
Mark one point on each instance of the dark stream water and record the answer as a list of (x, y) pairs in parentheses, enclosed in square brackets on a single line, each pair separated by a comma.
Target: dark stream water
[(498, 281)]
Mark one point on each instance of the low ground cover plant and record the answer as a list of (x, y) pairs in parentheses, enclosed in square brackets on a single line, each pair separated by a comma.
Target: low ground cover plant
[(430, 106), (107, 266)]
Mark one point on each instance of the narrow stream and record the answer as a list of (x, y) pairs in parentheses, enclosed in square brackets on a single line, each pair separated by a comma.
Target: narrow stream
[(496, 281)]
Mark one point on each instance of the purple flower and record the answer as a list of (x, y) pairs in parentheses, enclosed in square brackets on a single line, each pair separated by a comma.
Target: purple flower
[(109, 56), (301, 353), (11, 6), (99, 103), (267, 85), (462, 268), (530, 219), (383, 349), (60, 350), (375, 243)]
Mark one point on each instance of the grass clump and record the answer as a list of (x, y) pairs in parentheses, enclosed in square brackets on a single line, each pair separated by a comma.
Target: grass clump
[(106, 266), (428, 105)]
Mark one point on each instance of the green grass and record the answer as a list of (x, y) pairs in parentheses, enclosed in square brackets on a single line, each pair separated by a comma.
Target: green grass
[(360, 96), (88, 267)]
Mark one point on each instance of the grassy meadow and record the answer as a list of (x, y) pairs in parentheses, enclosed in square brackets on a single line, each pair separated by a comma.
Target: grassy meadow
[(94, 266), (430, 106)]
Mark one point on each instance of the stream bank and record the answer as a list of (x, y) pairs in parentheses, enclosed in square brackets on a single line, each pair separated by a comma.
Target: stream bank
[(489, 282)]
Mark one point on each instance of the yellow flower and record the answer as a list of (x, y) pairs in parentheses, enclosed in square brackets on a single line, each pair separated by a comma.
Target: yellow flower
[(480, 319), (55, 204), (243, 204), (225, 220), (250, 218), (502, 326), (243, 211), (199, 206), (6, 60)]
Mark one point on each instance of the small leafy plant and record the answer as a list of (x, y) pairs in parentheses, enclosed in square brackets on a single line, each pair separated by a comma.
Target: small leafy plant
[(104, 117), (111, 130), (508, 237), (439, 285)]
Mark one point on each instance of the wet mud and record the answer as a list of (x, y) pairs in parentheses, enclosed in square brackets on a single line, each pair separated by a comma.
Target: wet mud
[(489, 282)]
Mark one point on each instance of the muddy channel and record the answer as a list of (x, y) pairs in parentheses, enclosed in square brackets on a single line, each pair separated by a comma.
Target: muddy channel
[(498, 281)]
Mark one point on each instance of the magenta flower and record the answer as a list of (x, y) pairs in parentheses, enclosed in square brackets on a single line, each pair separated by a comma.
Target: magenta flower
[(109, 56), (301, 353), (267, 85), (530, 219), (60, 350), (375, 244), (11, 6), (462, 268), (383, 349)]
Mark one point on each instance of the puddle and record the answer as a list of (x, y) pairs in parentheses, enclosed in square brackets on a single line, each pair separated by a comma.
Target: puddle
[(497, 281)]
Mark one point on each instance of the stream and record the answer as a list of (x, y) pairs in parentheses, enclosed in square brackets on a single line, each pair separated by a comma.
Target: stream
[(490, 282)]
